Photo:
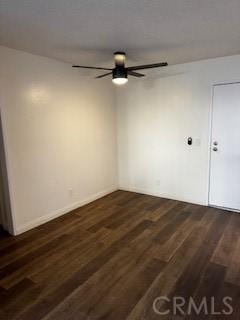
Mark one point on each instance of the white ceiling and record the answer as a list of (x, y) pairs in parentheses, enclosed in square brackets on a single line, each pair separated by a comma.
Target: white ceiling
[(87, 32)]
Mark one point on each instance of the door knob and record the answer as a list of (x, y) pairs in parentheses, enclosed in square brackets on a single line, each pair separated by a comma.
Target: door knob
[(215, 149), (215, 143)]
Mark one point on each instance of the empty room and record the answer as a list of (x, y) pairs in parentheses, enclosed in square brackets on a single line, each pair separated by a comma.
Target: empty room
[(119, 160)]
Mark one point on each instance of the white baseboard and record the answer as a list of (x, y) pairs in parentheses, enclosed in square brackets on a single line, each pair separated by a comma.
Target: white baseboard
[(57, 213), (166, 196), (37, 222)]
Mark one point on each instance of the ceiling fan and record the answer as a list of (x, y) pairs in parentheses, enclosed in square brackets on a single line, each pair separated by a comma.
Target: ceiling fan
[(120, 72)]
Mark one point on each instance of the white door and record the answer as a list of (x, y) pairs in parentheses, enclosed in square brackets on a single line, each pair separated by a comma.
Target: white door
[(225, 147)]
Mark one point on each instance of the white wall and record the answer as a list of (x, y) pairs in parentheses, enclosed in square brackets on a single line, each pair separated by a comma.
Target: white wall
[(59, 132), (155, 117)]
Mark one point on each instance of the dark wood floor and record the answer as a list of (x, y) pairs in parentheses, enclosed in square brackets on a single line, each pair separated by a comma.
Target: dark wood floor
[(112, 258)]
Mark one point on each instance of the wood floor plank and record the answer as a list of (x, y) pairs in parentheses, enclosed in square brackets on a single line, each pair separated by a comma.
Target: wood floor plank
[(167, 250), (165, 282), (17, 298), (170, 228), (233, 272), (108, 283), (189, 281), (45, 305), (227, 245), (28, 258), (111, 258), (29, 264)]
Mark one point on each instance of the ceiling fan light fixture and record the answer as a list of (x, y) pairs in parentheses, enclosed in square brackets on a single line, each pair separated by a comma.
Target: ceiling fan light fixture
[(120, 81)]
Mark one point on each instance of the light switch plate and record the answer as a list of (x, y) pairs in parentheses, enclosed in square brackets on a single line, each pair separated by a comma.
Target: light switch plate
[(197, 142)]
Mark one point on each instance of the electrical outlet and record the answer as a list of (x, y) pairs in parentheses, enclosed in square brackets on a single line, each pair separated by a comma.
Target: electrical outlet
[(158, 182)]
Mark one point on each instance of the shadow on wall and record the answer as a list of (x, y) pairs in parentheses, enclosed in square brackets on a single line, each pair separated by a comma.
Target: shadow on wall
[(5, 206), (150, 84)]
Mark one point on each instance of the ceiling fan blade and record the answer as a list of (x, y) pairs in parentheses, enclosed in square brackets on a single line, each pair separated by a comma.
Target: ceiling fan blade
[(136, 74), (86, 67), (148, 66), (103, 75)]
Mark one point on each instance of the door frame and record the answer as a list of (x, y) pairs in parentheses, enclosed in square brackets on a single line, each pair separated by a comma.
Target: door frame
[(8, 217), (210, 141)]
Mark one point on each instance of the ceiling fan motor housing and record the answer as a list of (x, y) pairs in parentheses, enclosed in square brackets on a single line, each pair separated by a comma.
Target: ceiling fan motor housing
[(119, 72)]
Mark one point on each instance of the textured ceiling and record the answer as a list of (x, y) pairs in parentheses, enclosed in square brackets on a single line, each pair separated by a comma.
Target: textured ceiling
[(79, 31)]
